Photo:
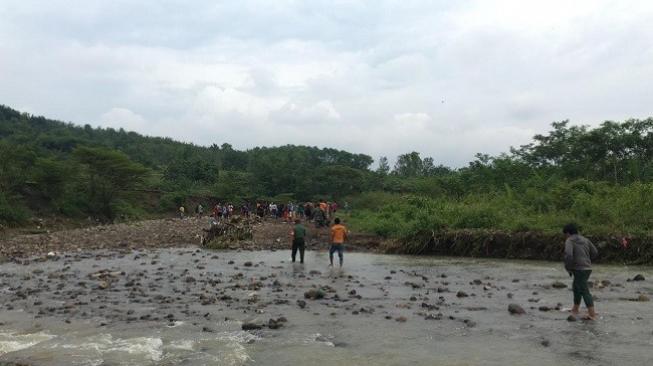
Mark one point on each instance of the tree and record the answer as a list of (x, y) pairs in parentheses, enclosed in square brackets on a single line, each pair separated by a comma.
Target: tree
[(409, 165), (384, 167), (110, 176)]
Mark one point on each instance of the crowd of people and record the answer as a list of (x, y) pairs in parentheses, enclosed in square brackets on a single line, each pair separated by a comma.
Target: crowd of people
[(320, 212)]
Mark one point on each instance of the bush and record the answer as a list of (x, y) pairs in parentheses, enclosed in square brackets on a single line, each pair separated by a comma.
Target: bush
[(12, 213)]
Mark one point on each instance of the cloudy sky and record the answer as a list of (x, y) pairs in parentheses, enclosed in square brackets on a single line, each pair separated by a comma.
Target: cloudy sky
[(445, 78)]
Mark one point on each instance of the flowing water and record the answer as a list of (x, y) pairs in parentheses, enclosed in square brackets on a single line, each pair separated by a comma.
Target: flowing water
[(385, 311)]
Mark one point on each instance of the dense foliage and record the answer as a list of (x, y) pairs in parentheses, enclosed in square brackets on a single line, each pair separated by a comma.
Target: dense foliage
[(50, 167), (600, 177)]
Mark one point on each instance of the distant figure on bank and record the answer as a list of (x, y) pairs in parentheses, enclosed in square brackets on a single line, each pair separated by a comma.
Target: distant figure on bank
[(199, 210), (298, 235), (182, 211), (579, 252), (338, 237)]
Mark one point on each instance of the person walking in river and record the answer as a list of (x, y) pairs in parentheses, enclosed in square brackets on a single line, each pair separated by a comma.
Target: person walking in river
[(338, 238), (298, 235), (579, 252)]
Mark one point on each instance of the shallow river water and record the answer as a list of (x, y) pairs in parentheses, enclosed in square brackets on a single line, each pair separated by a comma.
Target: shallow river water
[(378, 310)]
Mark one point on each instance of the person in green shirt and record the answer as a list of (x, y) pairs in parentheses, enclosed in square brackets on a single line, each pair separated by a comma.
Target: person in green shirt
[(298, 235)]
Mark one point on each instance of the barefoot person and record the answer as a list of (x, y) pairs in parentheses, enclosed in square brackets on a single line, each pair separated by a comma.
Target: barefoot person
[(579, 252), (338, 237), (298, 235)]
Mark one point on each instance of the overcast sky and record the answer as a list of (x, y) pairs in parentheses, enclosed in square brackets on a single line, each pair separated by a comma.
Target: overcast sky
[(444, 78)]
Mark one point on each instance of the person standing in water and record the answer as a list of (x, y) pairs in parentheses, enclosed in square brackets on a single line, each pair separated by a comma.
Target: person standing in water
[(338, 237), (579, 252), (298, 235)]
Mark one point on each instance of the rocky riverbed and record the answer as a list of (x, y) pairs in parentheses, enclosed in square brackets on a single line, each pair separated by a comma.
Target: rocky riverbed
[(191, 306)]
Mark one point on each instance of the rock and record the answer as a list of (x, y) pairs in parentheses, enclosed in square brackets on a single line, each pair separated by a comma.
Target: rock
[(461, 294), (558, 284), (477, 282), (401, 319), (638, 277), (103, 285), (571, 318), (545, 343), (251, 326), (469, 323), (314, 294), (301, 303), (207, 329), (437, 316), (544, 308), (515, 309), (248, 264), (643, 298), (274, 324)]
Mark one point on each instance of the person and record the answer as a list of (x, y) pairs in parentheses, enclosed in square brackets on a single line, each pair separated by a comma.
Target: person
[(300, 211), (338, 238), (200, 210), (298, 235), (324, 207), (308, 211), (319, 218), (273, 210), (182, 210), (579, 252)]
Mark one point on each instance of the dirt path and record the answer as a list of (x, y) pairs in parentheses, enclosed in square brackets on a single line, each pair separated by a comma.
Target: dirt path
[(162, 233)]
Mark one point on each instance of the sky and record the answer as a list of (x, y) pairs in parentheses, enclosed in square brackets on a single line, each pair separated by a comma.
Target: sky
[(448, 79)]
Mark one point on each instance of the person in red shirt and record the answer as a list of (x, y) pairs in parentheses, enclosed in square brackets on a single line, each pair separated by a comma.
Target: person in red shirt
[(338, 238)]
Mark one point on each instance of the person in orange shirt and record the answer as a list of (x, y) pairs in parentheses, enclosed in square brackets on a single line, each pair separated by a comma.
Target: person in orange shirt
[(338, 237)]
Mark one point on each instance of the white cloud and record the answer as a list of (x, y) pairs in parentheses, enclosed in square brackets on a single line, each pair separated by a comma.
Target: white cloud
[(124, 118), (446, 79)]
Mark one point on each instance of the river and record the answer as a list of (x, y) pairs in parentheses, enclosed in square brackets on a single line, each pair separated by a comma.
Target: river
[(186, 306)]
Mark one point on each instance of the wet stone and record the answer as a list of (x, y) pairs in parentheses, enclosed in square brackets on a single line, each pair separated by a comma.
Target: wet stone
[(638, 277), (515, 309)]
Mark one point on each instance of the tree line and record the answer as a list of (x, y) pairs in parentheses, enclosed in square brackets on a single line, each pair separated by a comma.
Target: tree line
[(51, 167)]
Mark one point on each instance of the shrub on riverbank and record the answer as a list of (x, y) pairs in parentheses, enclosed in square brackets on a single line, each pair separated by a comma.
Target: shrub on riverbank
[(599, 208)]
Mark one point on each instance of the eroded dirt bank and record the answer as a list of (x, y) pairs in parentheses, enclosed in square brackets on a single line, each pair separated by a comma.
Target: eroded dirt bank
[(163, 233), (522, 245)]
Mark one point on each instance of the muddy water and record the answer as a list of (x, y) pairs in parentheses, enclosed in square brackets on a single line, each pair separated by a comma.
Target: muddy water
[(186, 307)]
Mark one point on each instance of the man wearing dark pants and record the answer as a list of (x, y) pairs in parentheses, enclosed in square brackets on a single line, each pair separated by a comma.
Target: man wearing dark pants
[(338, 237), (298, 234), (579, 252)]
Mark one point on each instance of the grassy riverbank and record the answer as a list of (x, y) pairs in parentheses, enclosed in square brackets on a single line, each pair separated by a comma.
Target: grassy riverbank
[(513, 225)]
